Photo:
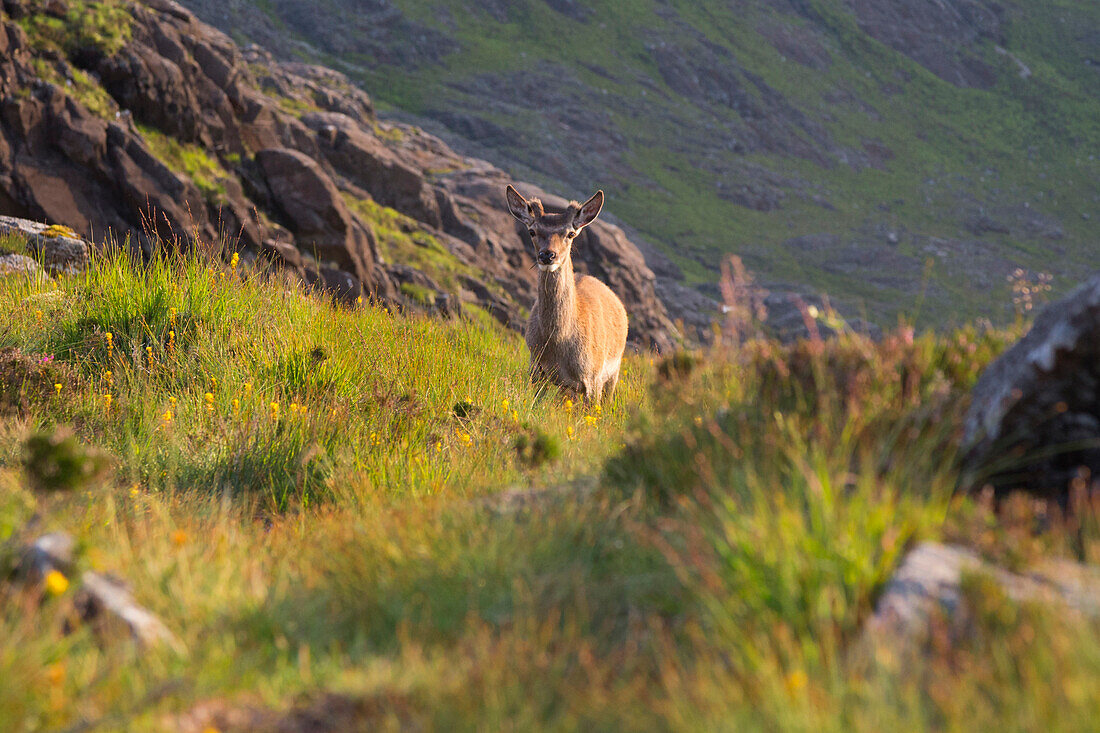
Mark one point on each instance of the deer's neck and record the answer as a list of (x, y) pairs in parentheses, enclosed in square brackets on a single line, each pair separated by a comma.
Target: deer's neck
[(557, 300)]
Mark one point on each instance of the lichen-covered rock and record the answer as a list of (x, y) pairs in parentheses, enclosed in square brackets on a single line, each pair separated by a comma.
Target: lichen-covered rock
[(1034, 421), (56, 246)]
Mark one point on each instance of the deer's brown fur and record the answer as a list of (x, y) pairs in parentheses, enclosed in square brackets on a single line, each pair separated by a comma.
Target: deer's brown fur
[(577, 329)]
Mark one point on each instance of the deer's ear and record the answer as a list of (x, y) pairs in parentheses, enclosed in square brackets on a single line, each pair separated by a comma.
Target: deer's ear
[(588, 212), (519, 206)]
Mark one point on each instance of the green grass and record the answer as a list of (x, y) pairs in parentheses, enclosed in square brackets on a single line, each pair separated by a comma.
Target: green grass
[(703, 555), (104, 26), (404, 240), (189, 159), (12, 243), (82, 87)]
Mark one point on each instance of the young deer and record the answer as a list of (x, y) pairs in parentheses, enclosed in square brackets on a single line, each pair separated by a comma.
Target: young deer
[(577, 329)]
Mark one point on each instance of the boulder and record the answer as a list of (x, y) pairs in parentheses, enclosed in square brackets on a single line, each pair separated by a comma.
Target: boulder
[(1034, 420), (57, 247), (103, 600), (53, 551), (100, 600), (928, 584), (315, 212), (13, 264)]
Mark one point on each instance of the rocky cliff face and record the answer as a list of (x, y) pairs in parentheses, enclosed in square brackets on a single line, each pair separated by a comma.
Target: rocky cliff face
[(137, 120)]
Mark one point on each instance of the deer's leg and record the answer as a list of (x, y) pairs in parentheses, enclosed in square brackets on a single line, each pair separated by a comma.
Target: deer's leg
[(590, 391), (610, 384)]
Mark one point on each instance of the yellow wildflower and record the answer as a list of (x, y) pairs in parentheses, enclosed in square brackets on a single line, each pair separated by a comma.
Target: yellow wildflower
[(247, 387), (568, 405), (107, 400), (236, 405), (109, 377), (294, 407), (597, 409), (172, 315), (56, 583), (179, 538), (795, 681), (439, 446), (172, 401), (149, 352), (210, 401), (38, 315), (590, 419), (504, 404), (57, 386), (274, 409), (465, 437), (515, 416), (359, 300), (213, 384), (167, 417), (569, 431), (234, 260), (55, 673), (133, 491)]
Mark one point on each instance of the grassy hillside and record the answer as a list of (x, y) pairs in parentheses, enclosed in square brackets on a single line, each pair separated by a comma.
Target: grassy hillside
[(780, 131), (319, 502)]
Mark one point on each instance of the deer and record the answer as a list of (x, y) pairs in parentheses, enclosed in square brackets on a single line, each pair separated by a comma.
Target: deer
[(577, 329)]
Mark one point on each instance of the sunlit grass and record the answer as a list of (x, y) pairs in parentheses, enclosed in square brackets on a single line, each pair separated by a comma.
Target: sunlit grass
[(320, 500)]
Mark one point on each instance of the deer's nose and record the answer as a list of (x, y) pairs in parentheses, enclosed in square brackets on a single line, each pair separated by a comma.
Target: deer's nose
[(546, 257)]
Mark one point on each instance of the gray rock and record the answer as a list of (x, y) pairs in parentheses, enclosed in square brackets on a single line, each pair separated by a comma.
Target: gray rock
[(11, 264), (928, 584), (104, 599), (58, 253), (1034, 421), (53, 551)]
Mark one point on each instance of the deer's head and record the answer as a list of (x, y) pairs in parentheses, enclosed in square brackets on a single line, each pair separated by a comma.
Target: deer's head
[(553, 234)]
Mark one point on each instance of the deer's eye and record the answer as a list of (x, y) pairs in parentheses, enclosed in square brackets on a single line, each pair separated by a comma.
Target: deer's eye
[(570, 235), (531, 232)]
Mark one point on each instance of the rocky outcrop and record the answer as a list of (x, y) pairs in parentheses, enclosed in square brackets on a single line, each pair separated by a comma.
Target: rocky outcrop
[(1034, 422), (941, 35), (928, 586), (58, 248), (194, 140), (307, 199)]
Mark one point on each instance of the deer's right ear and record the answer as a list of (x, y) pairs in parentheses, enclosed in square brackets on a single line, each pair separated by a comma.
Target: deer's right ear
[(519, 206)]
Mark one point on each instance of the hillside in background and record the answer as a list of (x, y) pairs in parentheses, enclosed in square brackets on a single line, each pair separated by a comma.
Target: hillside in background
[(852, 147)]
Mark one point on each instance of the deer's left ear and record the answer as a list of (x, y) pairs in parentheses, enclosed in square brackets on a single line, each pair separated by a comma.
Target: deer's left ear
[(588, 212)]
